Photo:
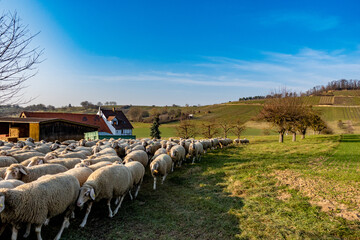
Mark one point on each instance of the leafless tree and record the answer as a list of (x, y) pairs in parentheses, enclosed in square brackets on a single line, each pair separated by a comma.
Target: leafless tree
[(18, 59), (226, 127), (238, 128), (209, 129), (186, 129)]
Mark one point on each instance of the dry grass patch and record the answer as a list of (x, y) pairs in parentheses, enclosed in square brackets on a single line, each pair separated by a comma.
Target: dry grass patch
[(332, 197)]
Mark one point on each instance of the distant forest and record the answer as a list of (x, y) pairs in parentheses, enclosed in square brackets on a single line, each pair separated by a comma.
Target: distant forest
[(336, 85)]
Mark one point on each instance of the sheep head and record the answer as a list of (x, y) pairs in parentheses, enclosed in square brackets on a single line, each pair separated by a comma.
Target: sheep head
[(154, 169), (86, 162), (15, 171), (86, 193), (36, 161)]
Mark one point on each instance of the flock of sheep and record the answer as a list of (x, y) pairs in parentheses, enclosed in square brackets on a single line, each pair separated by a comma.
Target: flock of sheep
[(40, 180)]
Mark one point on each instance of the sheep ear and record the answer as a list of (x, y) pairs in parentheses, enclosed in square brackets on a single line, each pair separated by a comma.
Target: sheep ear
[(22, 170), (92, 194)]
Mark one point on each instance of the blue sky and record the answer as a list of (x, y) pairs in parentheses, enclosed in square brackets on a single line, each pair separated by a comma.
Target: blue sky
[(186, 52)]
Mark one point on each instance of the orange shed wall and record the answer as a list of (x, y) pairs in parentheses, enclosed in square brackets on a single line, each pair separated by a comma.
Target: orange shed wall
[(34, 131)]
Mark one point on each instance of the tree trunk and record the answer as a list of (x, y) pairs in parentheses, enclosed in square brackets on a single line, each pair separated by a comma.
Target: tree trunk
[(303, 136), (294, 137), (281, 137)]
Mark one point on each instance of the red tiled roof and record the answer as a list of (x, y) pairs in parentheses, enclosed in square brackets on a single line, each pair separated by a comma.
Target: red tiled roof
[(123, 122), (90, 119), (41, 120)]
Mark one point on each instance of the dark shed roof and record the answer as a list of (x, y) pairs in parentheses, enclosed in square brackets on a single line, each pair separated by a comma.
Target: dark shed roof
[(120, 116)]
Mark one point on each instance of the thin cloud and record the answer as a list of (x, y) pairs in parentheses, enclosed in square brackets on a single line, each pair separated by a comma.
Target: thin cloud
[(310, 21)]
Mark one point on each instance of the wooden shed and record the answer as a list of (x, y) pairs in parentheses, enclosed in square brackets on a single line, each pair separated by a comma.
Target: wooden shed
[(48, 129)]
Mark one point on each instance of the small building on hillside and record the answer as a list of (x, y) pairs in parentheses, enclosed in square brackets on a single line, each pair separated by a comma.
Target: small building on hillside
[(48, 129)]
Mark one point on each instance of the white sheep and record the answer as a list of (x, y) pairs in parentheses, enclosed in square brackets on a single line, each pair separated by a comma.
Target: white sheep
[(10, 183), (195, 151), (108, 182), (23, 155), (104, 158), (161, 166), (81, 174), (38, 201), (137, 171), (66, 162), (177, 154), (139, 156), (6, 161), (95, 166), (29, 174)]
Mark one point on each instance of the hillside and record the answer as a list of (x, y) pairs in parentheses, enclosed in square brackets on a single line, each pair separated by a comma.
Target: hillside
[(334, 106)]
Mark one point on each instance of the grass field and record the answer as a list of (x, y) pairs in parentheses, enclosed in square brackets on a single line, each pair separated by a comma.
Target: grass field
[(265, 190)]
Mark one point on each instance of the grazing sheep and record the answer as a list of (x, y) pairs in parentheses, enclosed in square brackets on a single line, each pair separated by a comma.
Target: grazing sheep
[(73, 155), (69, 163), (29, 174), (104, 158), (139, 156), (26, 155), (81, 174), (161, 166), (107, 151), (43, 149), (158, 152), (177, 154), (195, 151), (109, 182), (38, 201), (10, 183), (51, 155), (137, 171), (6, 161), (206, 145), (244, 141), (95, 166), (151, 149)]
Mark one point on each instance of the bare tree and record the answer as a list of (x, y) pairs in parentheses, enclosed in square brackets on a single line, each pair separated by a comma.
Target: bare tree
[(284, 110), (238, 128), (186, 129), (209, 129), (226, 127), (17, 59)]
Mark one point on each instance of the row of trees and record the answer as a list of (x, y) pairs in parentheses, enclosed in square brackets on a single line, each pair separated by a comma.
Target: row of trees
[(341, 84), (288, 113), (188, 129)]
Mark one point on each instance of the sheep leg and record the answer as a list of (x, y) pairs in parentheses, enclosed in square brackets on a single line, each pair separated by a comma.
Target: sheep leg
[(38, 231), (72, 214), (86, 215), (47, 222), (193, 160), (138, 187), (109, 207), (65, 224), (131, 197), (163, 179), (118, 206), (172, 167), (28, 229), (15, 230), (154, 183)]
